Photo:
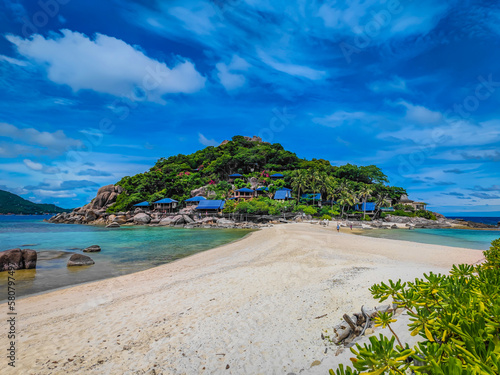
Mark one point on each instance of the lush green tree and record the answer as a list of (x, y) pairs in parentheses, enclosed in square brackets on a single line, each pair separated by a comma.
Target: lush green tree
[(299, 181), (364, 192), (381, 201)]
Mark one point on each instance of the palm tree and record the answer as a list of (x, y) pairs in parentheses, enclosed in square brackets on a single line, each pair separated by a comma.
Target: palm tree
[(299, 181), (315, 183), (382, 200), (364, 192), (331, 190), (346, 199)]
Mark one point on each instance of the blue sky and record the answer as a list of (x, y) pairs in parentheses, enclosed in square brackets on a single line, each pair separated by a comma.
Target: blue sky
[(93, 91)]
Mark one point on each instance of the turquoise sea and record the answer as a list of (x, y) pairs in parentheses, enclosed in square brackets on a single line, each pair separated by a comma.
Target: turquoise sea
[(136, 248), (124, 250), (470, 239)]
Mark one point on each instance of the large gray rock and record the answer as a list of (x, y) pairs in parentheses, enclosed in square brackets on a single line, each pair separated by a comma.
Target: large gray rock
[(113, 225), (17, 259), (166, 221), (142, 219), (187, 219), (120, 219), (80, 260), (92, 249)]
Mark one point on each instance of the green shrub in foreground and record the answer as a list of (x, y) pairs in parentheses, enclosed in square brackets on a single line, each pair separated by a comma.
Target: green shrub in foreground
[(457, 316)]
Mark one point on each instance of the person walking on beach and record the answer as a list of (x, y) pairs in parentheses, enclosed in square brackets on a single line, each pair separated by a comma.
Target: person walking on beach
[(351, 226), (338, 227)]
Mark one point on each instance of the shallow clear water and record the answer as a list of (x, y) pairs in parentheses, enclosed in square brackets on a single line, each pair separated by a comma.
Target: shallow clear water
[(471, 239), (124, 250)]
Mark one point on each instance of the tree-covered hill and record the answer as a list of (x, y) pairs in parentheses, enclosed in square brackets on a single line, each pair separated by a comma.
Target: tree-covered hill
[(176, 176), (14, 204)]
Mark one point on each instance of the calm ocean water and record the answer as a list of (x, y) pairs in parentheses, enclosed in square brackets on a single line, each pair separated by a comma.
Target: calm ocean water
[(468, 238), (124, 250)]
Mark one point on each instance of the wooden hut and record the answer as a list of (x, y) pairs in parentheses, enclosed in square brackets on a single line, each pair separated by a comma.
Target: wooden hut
[(210, 206), (166, 204), (244, 193), (194, 201)]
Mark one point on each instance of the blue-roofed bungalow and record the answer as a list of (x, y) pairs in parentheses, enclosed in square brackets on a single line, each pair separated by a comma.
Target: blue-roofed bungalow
[(234, 176), (211, 205), (244, 193), (277, 176), (366, 207), (166, 204), (194, 201), (283, 194), (144, 205), (262, 190), (316, 198)]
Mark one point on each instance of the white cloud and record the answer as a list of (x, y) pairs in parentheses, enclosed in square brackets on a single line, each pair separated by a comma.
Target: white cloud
[(12, 61), (227, 73), (396, 84), (207, 142), (107, 65), (453, 134), (421, 114), (292, 69), (340, 118), (33, 141), (45, 169)]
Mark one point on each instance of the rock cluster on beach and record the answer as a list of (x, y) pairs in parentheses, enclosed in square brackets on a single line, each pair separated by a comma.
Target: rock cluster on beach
[(17, 259), (95, 213)]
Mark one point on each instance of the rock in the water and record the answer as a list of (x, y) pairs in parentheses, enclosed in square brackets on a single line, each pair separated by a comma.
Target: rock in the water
[(17, 259), (142, 219), (80, 260), (113, 225), (92, 249)]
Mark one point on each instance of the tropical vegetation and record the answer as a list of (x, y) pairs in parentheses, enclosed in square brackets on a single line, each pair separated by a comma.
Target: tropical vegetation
[(457, 317), (176, 176)]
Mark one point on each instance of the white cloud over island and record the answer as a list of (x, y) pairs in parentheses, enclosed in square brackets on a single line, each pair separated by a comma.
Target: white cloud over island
[(107, 65)]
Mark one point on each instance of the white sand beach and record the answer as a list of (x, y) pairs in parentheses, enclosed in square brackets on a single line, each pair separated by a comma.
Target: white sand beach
[(248, 307)]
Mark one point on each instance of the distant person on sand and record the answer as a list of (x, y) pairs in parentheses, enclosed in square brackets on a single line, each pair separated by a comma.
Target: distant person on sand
[(338, 227), (351, 226)]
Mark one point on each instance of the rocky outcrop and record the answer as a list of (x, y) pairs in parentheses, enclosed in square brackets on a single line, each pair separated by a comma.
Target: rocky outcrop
[(92, 249), (95, 211), (142, 219), (105, 197), (17, 259), (251, 139), (254, 182), (80, 260), (113, 225)]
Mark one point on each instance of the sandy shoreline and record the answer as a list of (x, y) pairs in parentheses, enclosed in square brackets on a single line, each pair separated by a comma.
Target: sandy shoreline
[(247, 307)]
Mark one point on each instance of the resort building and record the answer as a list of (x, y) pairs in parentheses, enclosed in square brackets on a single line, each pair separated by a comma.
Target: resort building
[(416, 205), (166, 204), (244, 193), (212, 206), (262, 190), (144, 205), (316, 198), (283, 194), (234, 176), (368, 207), (194, 200)]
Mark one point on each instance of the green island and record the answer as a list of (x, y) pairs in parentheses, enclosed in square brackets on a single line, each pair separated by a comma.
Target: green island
[(252, 164), (13, 204)]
